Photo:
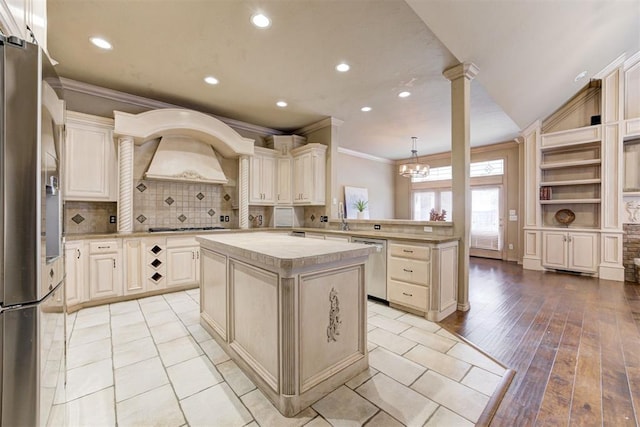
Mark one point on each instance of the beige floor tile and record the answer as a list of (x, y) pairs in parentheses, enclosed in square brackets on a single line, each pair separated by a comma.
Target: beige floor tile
[(371, 327), (93, 319), (483, 381), (470, 355), (402, 403), (182, 306), (88, 379), (443, 332), (87, 335), (130, 333), (237, 380), (133, 352), (179, 350), (124, 307), (371, 346), (153, 306), (97, 409), (429, 339), (189, 318), (88, 353), (199, 333), (357, 381), (446, 418), (213, 350), (192, 376), (384, 310), (446, 365), (215, 406), (149, 300), (318, 422), (388, 324), (398, 368), (92, 310), (382, 419), (126, 319), (344, 407), (160, 317), (168, 332), (419, 322), (393, 342), (173, 297), (157, 407), (267, 415), (138, 378), (459, 398)]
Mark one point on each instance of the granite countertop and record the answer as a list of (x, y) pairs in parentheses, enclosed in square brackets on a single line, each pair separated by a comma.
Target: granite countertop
[(281, 251), (423, 238)]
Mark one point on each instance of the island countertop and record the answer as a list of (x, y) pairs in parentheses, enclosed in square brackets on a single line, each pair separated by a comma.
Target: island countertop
[(282, 251)]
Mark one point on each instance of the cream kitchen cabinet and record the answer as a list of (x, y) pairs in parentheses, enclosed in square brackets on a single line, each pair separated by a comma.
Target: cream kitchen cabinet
[(309, 174), (105, 269), (284, 188), (262, 177), (75, 264), (23, 17), (90, 159), (134, 260), (572, 251), (183, 261)]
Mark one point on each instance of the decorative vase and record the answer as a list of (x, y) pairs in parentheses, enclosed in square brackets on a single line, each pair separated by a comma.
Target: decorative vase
[(360, 215)]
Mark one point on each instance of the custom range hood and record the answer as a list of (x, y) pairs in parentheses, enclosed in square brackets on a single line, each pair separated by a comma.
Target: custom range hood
[(183, 158)]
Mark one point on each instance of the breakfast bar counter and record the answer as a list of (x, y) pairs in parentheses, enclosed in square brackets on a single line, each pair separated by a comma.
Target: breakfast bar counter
[(290, 311)]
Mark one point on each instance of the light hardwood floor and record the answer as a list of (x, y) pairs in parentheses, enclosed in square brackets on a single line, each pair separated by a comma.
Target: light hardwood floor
[(573, 341)]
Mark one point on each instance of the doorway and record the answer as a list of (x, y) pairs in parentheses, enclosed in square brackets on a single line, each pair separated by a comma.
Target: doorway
[(487, 231)]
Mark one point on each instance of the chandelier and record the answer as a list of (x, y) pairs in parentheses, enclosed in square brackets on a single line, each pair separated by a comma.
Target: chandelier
[(414, 169)]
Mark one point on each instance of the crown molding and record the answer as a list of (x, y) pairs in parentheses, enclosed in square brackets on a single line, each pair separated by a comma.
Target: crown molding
[(619, 61), (329, 121), (366, 156), (632, 60), (467, 70), (152, 104)]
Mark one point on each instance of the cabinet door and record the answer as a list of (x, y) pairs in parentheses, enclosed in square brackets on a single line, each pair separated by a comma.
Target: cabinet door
[(255, 178), (554, 250), (284, 181), (104, 276), (582, 252), (317, 179), (181, 266), (74, 260), (90, 163), (134, 256), (268, 180), (302, 179)]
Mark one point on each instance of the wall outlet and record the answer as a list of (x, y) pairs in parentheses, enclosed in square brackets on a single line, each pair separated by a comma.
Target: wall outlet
[(226, 218), (221, 218), (376, 226), (112, 219), (510, 246)]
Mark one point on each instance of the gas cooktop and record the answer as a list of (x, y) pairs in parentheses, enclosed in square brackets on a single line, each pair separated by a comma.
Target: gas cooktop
[(162, 229)]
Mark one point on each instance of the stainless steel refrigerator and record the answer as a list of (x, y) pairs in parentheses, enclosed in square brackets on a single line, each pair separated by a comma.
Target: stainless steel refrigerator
[(32, 310)]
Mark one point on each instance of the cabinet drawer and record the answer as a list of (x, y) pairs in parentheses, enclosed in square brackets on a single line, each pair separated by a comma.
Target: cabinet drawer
[(413, 296), (409, 251), (181, 242), (103, 247), (409, 270)]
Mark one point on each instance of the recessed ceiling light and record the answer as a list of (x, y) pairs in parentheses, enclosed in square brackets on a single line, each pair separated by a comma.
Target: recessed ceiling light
[(342, 67), (365, 109), (101, 43), (260, 20), (580, 76), (404, 94), (211, 80), (281, 104)]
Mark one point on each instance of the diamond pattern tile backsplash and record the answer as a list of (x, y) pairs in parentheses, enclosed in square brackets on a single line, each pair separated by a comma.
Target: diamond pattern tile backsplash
[(89, 217), (177, 204)]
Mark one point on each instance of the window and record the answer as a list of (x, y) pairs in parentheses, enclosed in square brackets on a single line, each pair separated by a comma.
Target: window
[(424, 201), (485, 230), (486, 168)]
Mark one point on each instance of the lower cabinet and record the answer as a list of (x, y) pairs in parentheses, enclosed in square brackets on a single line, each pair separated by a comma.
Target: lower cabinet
[(183, 261), (572, 251), (105, 270), (75, 266)]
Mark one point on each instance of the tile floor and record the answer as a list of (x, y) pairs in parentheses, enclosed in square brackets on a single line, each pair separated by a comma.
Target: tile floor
[(149, 362)]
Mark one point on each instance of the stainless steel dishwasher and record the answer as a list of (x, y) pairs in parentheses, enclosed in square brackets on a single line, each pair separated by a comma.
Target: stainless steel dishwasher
[(376, 267)]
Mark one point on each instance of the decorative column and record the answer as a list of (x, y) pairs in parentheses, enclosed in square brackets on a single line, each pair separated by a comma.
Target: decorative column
[(460, 77), (243, 191), (125, 199)]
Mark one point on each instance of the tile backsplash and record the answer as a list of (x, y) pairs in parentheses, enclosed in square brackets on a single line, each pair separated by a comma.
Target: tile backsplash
[(178, 204), (89, 217)]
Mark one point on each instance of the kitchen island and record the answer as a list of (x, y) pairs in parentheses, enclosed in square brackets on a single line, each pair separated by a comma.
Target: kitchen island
[(291, 312)]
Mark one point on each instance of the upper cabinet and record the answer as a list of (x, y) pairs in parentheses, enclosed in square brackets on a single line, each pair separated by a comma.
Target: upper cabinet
[(262, 177), (309, 174), (90, 159), (23, 18)]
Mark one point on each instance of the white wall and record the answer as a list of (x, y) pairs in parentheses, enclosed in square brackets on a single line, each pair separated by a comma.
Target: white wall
[(377, 177)]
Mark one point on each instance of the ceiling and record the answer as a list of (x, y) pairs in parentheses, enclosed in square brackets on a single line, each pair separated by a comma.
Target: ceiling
[(526, 54)]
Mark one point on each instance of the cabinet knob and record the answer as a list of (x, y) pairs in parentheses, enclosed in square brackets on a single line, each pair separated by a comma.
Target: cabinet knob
[(79, 253), (407, 251), (114, 263), (407, 270), (407, 294), (193, 255)]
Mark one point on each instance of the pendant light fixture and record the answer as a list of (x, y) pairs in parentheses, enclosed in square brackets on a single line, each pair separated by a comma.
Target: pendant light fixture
[(414, 169)]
